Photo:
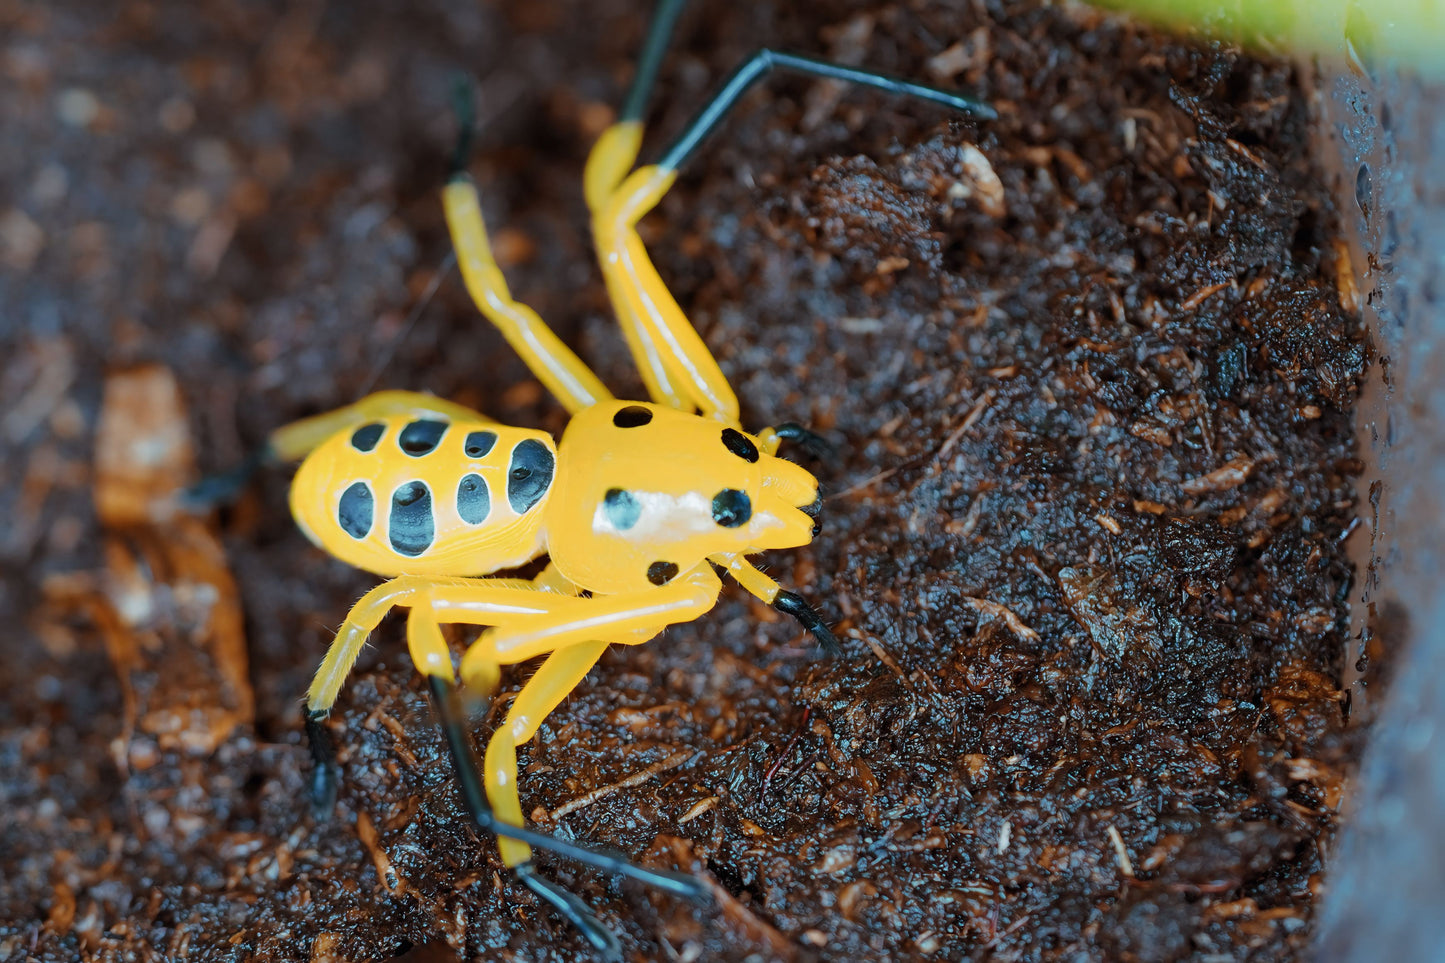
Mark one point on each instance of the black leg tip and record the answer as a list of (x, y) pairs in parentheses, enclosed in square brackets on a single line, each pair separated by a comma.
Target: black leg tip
[(323, 793), (828, 641), (574, 910), (226, 488), (790, 603), (812, 442), (324, 775), (465, 108)]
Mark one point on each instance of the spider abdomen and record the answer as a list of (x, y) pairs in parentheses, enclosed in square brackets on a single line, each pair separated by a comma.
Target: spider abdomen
[(427, 495)]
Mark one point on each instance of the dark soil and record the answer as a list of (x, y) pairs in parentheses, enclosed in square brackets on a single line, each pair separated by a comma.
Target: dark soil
[(1083, 542)]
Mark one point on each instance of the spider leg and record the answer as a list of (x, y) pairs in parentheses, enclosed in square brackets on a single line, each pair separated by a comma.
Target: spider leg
[(748, 575), (495, 600), (294, 441), (573, 637), (772, 439), (628, 618), (676, 366), (549, 685), (555, 365), (763, 62), (471, 783), (505, 603), (489, 787)]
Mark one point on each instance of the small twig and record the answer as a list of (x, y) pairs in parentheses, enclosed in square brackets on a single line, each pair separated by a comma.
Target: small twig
[(1013, 927), (969, 420), (996, 611), (1246, 153), (697, 810), (870, 480), (637, 779), (1120, 853), (366, 832), (1199, 297), (884, 657), (788, 751), (411, 319)]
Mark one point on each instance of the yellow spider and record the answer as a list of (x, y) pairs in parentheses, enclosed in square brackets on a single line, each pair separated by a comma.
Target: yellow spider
[(638, 507)]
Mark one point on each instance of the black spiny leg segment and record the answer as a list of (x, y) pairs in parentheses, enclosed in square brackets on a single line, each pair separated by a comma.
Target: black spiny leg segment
[(469, 779), (659, 32), (573, 909), (465, 108), (323, 766), (225, 488), (762, 63), (793, 604), (813, 443)]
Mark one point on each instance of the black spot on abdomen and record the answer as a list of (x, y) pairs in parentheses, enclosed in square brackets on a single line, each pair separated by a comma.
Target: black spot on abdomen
[(412, 527), (356, 512), (731, 508), (633, 416), (364, 439), (530, 474), (474, 499), (621, 508), (420, 437), (739, 444), (479, 444)]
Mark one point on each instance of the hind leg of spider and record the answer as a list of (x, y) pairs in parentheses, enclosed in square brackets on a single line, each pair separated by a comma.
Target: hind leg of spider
[(490, 789), (448, 703), (748, 575), (675, 364), (528, 621), (294, 441)]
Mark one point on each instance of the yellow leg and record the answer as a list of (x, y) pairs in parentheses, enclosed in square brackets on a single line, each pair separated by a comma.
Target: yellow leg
[(292, 442), (550, 579), (573, 642), (551, 683), (627, 619), (528, 619), (609, 162), (675, 364), (748, 575), (476, 601), (429, 652), (554, 364)]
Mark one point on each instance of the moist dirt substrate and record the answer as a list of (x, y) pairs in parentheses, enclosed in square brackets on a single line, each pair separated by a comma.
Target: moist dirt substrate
[(1086, 369)]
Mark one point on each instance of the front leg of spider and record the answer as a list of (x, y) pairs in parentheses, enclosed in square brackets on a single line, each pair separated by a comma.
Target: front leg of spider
[(813, 443), (790, 603)]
